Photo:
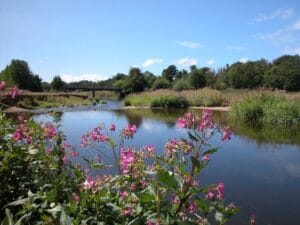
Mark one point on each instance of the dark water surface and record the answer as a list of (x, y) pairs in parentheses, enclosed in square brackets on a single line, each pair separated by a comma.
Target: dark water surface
[(259, 166)]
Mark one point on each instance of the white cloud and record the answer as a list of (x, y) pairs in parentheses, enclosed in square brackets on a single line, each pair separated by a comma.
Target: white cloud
[(236, 48), (41, 61), (282, 13), (243, 60), (189, 44), (74, 78), (292, 51), (279, 36), (295, 26), (210, 62), (187, 61), (150, 62)]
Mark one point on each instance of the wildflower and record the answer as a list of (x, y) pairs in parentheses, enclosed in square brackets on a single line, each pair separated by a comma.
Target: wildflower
[(195, 183), (133, 187), (49, 130), (84, 141), (192, 208), (112, 127), (206, 157), (217, 192), (150, 150), (18, 135), (129, 131), (65, 146), (2, 85), (206, 121), (89, 183), (226, 135), (188, 121), (149, 222), (127, 158), (75, 197), (49, 150), (252, 220), (14, 92), (28, 140), (175, 199), (124, 194), (127, 211), (143, 183)]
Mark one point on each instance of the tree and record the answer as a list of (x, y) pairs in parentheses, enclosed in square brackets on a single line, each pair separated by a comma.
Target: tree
[(138, 82), (18, 73), (284, 73), (197, 79), (161, 83), (169, 73), (57, 83)]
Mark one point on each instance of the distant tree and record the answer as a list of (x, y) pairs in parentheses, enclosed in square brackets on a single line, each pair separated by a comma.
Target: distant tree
[(197, 79), (138, 82), (193, 67), (181, 74), (46, 86), (161, 83), (170, 72), (57, 83), (150, 78), (182, 84), (284, 73), (18, 73)]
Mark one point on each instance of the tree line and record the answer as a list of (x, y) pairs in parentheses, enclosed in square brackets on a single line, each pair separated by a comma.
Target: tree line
[(282, 73)]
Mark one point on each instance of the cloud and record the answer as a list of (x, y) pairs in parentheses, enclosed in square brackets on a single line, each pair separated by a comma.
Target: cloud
[(210, 62), (292, 51), (295, 26), (243, 60), (282, 13), (187, 61), (74, 78), (280, 36), (150, 62), (236, 48), (189, 44)]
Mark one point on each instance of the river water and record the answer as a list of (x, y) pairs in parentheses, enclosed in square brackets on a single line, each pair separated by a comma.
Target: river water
[(259, 166)]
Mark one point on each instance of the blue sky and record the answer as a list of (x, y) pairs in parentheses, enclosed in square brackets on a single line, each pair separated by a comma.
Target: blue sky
[(95, 39)]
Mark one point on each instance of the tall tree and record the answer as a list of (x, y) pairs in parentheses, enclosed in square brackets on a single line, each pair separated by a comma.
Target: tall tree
[(57, 83), (170, 72)]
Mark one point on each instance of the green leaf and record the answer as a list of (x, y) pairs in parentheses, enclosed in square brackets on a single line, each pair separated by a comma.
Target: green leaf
[(17, 202), (8, 220), (197, 164), (192, 137), (19, 222), (168, 180), (211, 151), (202, 205), (145, 197), (64, 218)]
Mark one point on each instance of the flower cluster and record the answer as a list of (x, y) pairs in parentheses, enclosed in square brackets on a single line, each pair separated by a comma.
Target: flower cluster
[(127, 159), (174, 145), (15, 92), (2, 85), (49, 130), (216, 193), (22, 132), (129, 131), (188, 121)]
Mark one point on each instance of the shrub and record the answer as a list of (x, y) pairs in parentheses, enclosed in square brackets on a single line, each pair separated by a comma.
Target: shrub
[(170, 102), (161, 83), (181, 85)]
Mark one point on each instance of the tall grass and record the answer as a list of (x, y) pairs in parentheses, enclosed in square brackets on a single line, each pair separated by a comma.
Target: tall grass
[(200, 97), (267, 109)]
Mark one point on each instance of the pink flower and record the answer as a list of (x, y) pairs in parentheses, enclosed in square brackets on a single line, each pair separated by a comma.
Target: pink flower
[(89, 183), (252, 220), (49, 150), (175, 199), (206, 157), (127, 158), (28, 140), (220, 191), (226, 135), (124, 194), (210, 194), (112, 127), (195, 183), (49, 130), (143, 183), (75, 197), (84, 141), (129, 131), (2, 85), (74, 153), (206, 121), (149, 222), (65, 146), (133, 187), (127, 211), (192, 208), (188, 121), (180, 123), (150, 150), (14, 92)]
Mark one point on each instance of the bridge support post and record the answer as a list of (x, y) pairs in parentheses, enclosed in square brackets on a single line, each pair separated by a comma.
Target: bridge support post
[(93, 93)]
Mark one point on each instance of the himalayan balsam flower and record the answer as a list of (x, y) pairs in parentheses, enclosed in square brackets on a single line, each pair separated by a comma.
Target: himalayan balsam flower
[(149, 222), (84, 141), (149, 150), (206, 157), (18, 135), (75, 197), (112, 127), (188, 121), (226, 135), (127, 211), (192, 208), (49, 130), (252, 220), (127, 158), (2, 85), (129, 131), (206, 121), (124, 194), (89, 183), (14, 92), (217, 192)]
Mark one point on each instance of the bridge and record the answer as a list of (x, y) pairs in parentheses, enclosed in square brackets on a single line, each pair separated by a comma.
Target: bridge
[(94, 89)]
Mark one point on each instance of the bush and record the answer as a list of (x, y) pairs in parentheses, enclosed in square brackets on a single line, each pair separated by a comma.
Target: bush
[(267, 109), (161, 83), (170, 102), (181, 85)]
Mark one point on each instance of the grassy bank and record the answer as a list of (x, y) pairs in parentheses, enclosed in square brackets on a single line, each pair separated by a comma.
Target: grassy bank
[(158, 98), (267, 109)]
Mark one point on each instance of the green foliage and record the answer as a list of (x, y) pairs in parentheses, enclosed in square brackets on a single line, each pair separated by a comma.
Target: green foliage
[(170, 73), (284, 73), (170, 102), (181, 84), (161, 83), (18, 73), (197, 78), (57, 83), (267, 109)]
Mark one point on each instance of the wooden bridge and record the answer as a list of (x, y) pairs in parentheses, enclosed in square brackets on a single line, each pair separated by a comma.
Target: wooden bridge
[(94, 89)]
